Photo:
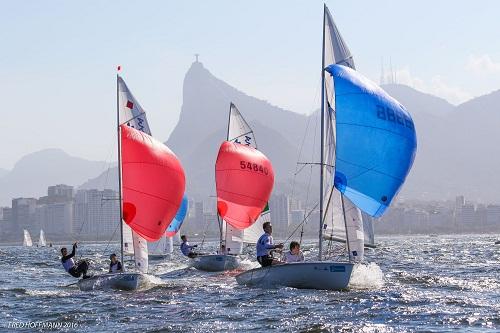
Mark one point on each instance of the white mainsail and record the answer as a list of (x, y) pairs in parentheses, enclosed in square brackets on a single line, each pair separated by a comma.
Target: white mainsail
[(27, 238), (346, 222), (41, 240), (238, 129), (131, 113)]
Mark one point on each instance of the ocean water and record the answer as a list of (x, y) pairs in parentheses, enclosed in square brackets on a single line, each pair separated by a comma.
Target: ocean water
[(409, 284)]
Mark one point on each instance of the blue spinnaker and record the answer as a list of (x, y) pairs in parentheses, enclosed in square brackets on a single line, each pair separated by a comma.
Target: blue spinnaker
[(375, 141), (176, 223)]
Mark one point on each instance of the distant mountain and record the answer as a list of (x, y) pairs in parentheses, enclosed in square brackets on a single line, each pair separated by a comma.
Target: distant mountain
[(33, 173), (458, 150)]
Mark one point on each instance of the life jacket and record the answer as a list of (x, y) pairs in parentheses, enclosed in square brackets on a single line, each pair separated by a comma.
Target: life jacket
[(68, 264)]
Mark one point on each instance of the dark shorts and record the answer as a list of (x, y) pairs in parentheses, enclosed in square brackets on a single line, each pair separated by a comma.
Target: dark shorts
[(80, 268), (265, 261)]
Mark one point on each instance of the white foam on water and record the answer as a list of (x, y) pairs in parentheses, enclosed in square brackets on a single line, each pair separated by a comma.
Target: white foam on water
[(366, 276), (247, 264), (33, 292)]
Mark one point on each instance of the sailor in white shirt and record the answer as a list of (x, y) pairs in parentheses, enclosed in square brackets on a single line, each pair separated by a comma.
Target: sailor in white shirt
[(294, 255), (265, 245)]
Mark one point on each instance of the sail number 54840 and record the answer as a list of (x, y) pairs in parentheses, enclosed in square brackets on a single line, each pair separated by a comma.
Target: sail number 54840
[(254, 167)]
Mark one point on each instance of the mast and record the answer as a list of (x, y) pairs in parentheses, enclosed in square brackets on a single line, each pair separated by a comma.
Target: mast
[(320, 252), (221, 221), (119, 165)]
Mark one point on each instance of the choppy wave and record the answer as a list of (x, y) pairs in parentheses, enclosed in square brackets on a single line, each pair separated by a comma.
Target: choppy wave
[(445, 283)]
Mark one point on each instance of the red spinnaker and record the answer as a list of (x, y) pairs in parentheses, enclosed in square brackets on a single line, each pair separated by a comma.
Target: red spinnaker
[(153, 183), (244, 179)]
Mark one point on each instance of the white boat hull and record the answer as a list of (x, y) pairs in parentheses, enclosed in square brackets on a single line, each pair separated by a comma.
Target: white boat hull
[(119, 281), (323, 275), (216, 262)]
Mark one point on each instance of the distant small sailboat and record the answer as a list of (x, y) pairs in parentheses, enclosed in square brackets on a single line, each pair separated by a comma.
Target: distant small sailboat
[(27, 238), (164, 247), (151, 185), (244, 181), (41, 241), (368, 143)]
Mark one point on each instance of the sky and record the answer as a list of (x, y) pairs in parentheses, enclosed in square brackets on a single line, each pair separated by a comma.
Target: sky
[(58, 58)]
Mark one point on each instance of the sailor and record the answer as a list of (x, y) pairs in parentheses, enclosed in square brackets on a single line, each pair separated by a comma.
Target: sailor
[(222, 250), (187, 249), (69, 265), (115, 266), (294, 255), (265, 245)]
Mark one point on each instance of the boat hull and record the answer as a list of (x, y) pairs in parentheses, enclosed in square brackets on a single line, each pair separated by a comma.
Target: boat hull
[(119, 281), (323, 275), (216, 263), (159, 256)]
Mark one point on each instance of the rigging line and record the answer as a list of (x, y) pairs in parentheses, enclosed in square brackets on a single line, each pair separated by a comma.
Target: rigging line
[(301, 147), (112, 236), (301, 223)]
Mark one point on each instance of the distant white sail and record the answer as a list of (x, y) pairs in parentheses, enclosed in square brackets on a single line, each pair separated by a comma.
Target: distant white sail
[(41, 240), (27, 238)]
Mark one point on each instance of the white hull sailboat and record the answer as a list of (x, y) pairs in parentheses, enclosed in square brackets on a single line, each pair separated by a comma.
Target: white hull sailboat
[(151, 184), (356, 171), (240, 140), (303, 275)]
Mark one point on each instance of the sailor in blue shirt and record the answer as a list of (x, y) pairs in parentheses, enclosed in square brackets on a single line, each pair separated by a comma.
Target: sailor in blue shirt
[(187, 249), (265, 245)]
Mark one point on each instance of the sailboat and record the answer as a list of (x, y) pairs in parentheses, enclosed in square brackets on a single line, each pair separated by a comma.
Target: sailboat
[(27, 238), (151, 186), (41, 241), (244, 181), (164, 247), (368, 145)]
